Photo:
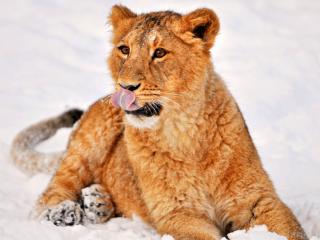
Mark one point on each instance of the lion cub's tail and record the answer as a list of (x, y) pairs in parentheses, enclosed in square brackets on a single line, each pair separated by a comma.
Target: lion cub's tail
[(23, 151)]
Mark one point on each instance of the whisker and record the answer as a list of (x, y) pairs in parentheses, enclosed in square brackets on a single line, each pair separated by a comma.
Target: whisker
[(173, 94), (174, 102), (155, 108), (145, 94), (150, 89)]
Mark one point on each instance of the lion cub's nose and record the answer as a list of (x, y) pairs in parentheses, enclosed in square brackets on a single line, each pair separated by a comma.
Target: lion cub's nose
[(130, 87)]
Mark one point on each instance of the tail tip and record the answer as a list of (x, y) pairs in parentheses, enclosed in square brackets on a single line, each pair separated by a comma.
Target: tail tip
[(71, 116)]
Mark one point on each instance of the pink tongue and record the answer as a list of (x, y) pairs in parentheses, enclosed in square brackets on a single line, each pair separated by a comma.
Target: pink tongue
[(124, 99)]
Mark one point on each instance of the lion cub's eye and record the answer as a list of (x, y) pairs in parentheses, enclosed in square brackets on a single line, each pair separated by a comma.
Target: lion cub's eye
[(159, 53), (124, 49)]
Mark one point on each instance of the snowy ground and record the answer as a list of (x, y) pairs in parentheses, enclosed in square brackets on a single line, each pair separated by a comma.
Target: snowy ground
[(53, 57)]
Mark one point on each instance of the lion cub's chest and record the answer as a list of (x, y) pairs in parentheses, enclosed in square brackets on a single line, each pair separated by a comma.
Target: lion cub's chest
[(168, 183)]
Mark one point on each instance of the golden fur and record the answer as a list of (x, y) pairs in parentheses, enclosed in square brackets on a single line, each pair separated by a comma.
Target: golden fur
[(194, 172)]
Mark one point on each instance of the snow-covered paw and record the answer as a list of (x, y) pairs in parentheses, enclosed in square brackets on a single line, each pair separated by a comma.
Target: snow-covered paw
[(67, 213), (97, 204)]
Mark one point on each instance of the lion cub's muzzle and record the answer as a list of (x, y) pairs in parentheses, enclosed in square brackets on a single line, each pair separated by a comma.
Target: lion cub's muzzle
[(126, 99)]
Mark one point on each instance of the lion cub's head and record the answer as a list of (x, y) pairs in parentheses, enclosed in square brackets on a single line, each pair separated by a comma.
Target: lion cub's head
[(159, 60)]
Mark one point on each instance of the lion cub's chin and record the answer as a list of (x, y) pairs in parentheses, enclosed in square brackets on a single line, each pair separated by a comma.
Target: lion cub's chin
[(142, 121)]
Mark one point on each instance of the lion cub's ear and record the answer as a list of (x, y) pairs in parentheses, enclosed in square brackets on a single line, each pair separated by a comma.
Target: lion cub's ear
[(203, 24), (121, 19)]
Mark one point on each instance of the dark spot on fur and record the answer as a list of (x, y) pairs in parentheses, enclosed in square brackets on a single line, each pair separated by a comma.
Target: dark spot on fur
[(153, 20), (70, 223), (69, 118), (57, 222)]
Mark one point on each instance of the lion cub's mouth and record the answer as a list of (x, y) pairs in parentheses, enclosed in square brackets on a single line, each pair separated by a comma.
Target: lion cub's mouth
[(148, 110), (126, 100)]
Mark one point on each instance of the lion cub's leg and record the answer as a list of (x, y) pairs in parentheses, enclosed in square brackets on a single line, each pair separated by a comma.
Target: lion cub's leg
[(183, 225), (67, 213), (88, 148), (65, 185), (97, 204), (278, 218)]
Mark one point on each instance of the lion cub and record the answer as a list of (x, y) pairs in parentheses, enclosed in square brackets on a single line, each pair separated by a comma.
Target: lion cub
[(170, 145)]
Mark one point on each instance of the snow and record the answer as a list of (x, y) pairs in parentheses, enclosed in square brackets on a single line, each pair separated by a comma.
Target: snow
[(259, 232), (268, 51)]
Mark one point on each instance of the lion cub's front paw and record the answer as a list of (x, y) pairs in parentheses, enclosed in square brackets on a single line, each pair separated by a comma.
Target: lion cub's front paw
[(66, 213), (97, 204)]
